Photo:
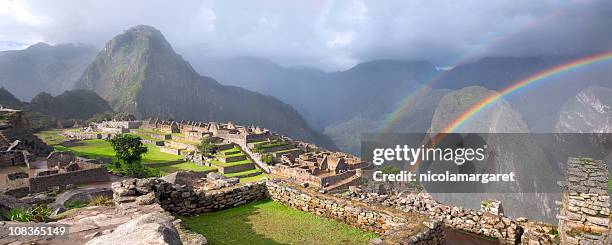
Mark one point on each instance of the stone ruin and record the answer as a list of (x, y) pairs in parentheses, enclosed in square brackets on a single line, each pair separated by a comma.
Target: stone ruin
[(585, 212), (321, 169), (17, 143)]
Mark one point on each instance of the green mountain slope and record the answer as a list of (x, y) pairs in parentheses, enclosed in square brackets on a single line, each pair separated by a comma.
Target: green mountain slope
[(138, 72)]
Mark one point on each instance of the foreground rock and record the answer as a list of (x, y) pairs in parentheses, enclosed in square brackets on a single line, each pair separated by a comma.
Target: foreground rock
[(154, 228)]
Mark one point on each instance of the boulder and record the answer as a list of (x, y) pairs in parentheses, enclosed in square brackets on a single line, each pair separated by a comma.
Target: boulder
[(152, 228), (183, 177), (146, 199), (73, 167), (60, 159), (79, 195), (214, 176)]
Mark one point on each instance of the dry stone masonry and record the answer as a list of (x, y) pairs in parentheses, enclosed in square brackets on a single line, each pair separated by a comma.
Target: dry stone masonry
[(585, 212), (396, 226)]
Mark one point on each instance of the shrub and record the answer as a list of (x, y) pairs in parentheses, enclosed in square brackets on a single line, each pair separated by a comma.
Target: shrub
[(39, 213), (267, 158), (206, 147), (101, 201), (76, 204)]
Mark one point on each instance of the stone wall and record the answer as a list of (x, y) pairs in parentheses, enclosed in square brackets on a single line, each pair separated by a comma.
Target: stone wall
[(236, 168), (299, 174), (82, 135), (43, 183), (170, 150), (11, 158), (232, 158), (476, 222), (181, 145), (184, 200), (60, 159), (585, 212), (121, 124), (396, 226)]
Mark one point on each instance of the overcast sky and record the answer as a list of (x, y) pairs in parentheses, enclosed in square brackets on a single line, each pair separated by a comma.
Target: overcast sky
[(330, 35)]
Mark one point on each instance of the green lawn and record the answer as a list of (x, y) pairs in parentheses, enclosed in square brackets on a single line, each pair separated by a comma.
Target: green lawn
[(102, 148), (268, 222), (222, 164), (253, 179), (51, 137), (185, 166), (243, 173)]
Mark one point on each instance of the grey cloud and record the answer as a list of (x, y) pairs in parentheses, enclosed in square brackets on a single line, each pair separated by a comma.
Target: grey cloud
[(327, 34)]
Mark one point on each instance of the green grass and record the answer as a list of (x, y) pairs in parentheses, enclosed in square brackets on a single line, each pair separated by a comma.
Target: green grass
[(268, 222), (140, 130), (231, 150), (288, 150), (222, 164), (186, 142), (146, 137), (185, 166), (76, 204), (51, 137), (102, 148), (242, 173), (253, 178)]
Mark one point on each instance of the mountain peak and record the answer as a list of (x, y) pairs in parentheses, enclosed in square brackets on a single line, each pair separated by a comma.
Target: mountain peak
[(137, 39), (139, 73)]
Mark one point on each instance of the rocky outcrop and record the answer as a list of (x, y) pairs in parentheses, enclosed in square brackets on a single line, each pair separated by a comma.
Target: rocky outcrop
[(590, 111), (155, 228), (139, 73), (510, 149)]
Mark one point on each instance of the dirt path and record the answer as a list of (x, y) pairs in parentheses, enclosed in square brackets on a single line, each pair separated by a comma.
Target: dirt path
[(461, 238)]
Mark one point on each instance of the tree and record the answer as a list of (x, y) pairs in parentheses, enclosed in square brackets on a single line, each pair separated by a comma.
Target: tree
[(206, 147), (129, 150), (390, 170), (267, 158)]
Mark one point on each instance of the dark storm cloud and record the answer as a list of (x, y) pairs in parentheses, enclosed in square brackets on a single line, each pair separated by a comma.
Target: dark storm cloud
[(327, 34)]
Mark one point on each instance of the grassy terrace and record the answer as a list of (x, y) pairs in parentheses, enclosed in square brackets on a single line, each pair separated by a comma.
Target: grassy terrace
[(253, 179), (222, 164), (102, 148), (268, 144), (185, 166), (140, 130), (288, 150), (146, 137), (231, 152), (51, 137), (268, 222), (243, 173)]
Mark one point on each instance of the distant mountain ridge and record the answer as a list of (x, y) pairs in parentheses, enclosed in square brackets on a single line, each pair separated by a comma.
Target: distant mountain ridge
[(43, 68), (359, 98), (138, 72), (46, 110)]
